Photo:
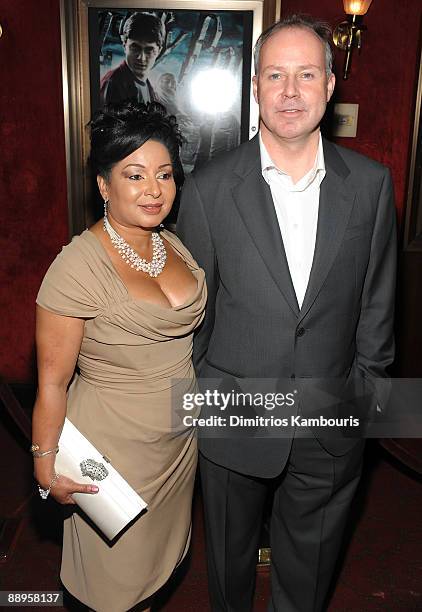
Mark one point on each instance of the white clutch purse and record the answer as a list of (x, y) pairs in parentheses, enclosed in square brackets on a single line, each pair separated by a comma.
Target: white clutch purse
[(116, 503)]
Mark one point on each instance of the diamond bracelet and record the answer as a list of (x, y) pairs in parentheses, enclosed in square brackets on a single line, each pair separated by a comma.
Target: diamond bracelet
[(44, 493)]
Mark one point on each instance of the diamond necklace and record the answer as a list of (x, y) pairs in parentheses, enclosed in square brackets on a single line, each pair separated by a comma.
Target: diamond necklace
[(131, 257)]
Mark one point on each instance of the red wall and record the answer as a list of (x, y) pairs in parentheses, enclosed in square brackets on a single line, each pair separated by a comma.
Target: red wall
[(33, 206), (382, 81)]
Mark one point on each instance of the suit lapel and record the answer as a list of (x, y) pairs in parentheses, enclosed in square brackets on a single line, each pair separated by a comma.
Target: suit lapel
[(335, 206), (253, 199)]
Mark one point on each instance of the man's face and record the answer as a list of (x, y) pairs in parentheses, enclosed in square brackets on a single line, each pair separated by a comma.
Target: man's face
[(292, 87), (140, 56), (168, 83)]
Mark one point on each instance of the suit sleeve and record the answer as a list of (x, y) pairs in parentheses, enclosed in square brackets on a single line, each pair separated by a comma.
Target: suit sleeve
[(374, 338), (193, 229)]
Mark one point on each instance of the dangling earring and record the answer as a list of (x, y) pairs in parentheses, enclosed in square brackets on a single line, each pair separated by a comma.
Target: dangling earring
[(105, 207)]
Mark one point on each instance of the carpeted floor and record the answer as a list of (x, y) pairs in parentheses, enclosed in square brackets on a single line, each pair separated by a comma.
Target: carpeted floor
[(380, 569)]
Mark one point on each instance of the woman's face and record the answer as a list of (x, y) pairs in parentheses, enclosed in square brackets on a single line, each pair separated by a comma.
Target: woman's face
[(141, 187)]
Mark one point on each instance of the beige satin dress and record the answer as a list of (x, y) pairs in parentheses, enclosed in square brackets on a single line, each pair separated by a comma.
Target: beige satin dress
[(134, 367)]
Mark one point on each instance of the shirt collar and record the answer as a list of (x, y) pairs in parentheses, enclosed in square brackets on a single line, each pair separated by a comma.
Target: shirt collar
[(269, 168), (137, 81)]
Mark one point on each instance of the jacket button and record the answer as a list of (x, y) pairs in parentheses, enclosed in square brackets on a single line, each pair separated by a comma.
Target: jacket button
[(300, 332)]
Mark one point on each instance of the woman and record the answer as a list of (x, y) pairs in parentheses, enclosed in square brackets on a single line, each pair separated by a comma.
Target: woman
[(129, 330)]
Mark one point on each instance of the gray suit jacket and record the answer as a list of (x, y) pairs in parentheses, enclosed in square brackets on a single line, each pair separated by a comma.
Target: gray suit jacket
[(254, 327)]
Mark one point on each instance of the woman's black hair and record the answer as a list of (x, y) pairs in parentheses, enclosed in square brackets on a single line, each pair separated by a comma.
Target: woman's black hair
[(119, 129)]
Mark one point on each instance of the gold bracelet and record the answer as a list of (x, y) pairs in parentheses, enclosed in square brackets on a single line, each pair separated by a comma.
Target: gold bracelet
[(36, 453)]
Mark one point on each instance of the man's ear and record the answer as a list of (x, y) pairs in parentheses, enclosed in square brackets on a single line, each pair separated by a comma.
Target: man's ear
[(331, 81), (255, 87), (103, 187)]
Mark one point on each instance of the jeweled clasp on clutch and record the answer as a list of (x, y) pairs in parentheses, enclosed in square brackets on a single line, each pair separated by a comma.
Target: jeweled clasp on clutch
[(93, 469)]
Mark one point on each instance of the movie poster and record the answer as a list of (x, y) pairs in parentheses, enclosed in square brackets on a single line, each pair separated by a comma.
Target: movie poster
[(201, 73)]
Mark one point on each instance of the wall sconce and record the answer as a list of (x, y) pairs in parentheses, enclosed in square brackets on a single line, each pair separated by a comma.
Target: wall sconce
[(348, 34)]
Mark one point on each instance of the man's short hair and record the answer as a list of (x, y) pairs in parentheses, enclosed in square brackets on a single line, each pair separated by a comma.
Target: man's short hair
[(321, 29), (144, 26)]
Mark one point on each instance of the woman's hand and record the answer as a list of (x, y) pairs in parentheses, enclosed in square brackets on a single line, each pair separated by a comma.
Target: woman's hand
[(64, 487)]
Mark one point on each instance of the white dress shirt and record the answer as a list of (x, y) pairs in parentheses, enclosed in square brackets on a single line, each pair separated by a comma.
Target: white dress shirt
[(142, 91), (296, 206)]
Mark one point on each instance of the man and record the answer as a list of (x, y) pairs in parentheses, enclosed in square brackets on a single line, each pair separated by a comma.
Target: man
[(143, 37), (297, 239), (167, 87)]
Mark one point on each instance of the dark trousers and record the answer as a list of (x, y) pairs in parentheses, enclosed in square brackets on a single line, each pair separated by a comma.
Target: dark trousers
[(311, 502)]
